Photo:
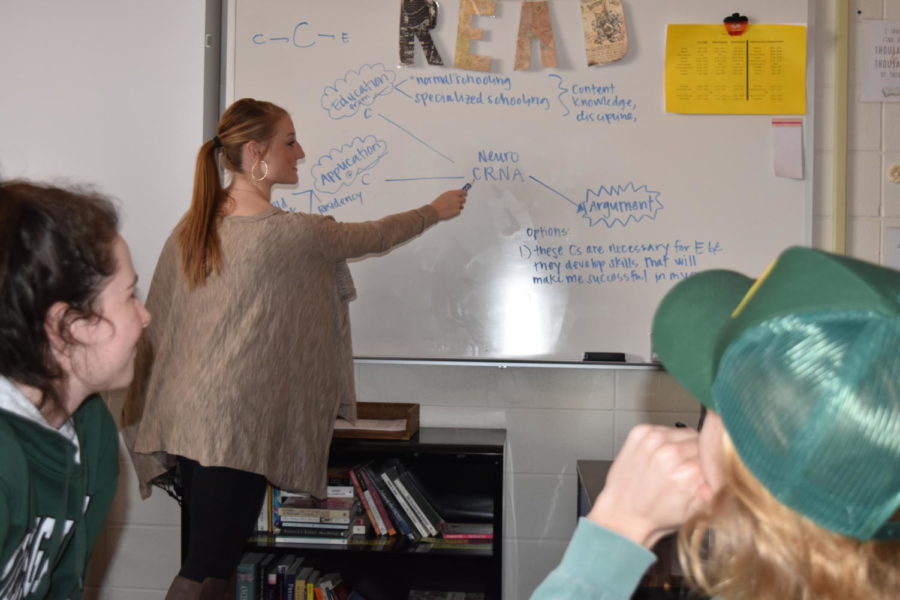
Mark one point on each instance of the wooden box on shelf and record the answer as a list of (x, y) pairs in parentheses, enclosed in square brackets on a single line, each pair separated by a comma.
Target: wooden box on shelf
[(381, 421)]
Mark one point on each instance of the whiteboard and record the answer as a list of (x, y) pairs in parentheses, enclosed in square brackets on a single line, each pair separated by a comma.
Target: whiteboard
[(588, 202)]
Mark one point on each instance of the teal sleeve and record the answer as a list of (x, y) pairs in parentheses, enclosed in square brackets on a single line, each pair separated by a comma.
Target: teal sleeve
[(598, 564)]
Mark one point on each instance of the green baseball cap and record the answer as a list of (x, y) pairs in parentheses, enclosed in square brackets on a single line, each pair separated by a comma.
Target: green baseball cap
[(803, 366)]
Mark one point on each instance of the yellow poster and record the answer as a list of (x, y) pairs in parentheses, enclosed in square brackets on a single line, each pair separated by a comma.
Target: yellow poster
[(762, 71)]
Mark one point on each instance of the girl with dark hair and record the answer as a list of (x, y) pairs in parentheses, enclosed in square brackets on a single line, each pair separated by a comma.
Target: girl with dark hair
[(69, 324), (249, 362)]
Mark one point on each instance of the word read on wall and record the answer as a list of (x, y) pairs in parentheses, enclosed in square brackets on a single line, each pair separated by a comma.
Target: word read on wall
[(588, 201)]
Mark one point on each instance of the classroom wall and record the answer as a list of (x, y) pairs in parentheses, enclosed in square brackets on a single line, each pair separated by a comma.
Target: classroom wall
[(553, 416)]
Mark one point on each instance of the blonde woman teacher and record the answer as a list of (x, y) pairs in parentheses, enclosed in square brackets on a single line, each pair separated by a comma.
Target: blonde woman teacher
[(248, 361)]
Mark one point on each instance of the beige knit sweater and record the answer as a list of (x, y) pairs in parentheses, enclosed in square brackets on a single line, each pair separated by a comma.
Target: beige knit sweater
[(250, 370)]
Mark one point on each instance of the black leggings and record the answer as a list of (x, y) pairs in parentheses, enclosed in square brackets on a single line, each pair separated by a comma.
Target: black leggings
[(222, 506)]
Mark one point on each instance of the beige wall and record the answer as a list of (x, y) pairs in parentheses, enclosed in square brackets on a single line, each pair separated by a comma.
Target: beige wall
[(553, 416)]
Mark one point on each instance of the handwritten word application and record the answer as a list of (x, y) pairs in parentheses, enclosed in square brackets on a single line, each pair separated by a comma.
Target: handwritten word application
[(341, 166)]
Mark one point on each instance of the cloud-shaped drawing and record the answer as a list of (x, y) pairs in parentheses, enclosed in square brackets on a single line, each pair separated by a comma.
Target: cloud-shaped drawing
[(341, 166), (619, 204), (357, 88)]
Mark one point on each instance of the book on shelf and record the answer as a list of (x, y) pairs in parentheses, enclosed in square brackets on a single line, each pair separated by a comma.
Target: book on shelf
[(359, 525), (365, 497), (336, 523), (334, 510), (394, 509), (246, 579), (417, 529), (477, 531), (419, 494), (300, 584), (333, 587), (339, 484), (287, 538), (416, 516), (288, 583), (302, 507), (365, 474), (275, 576), (301, 530), (415, 495), (311, 584), (262, 579), (264, 520), (430, 544)]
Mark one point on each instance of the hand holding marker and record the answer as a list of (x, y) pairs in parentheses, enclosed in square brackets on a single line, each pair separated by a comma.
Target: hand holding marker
[(450, 204)]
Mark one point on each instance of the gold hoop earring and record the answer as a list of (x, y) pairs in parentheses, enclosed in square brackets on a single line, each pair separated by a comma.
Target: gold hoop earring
[(265, 170)]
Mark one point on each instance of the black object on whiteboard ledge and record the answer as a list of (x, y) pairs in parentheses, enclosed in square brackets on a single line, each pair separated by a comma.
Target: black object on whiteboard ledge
[(604, 357)]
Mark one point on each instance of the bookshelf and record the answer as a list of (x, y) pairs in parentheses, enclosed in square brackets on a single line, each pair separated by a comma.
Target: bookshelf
[(462, 469)]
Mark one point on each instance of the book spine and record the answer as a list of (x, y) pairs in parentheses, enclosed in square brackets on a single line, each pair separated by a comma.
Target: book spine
[(431, 513), (261, 575), (392, 505), (243, 581), (420, 514), (376, 495), (333, 520), (314, 531), (311, 585), (467, 536), (340, 491), (318, 513), (316, 525), (303, 539), (390, 476), (270, 589), (264, 520), (378, 523), (364, 500)]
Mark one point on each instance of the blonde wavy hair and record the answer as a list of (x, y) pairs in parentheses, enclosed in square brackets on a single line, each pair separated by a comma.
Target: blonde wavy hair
[(197, 233), (749, 546)]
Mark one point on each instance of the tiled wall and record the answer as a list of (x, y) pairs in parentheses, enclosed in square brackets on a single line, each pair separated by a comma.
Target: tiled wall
[(873, 202), (553, 416)]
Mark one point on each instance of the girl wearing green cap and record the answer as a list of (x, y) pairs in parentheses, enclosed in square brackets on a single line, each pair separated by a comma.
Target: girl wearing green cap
[(792, 488)]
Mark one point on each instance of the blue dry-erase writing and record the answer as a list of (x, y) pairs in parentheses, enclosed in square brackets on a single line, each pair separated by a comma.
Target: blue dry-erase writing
[(466, 187)]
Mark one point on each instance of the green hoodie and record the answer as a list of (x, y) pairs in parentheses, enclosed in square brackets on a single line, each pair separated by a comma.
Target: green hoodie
[(54, 497)]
